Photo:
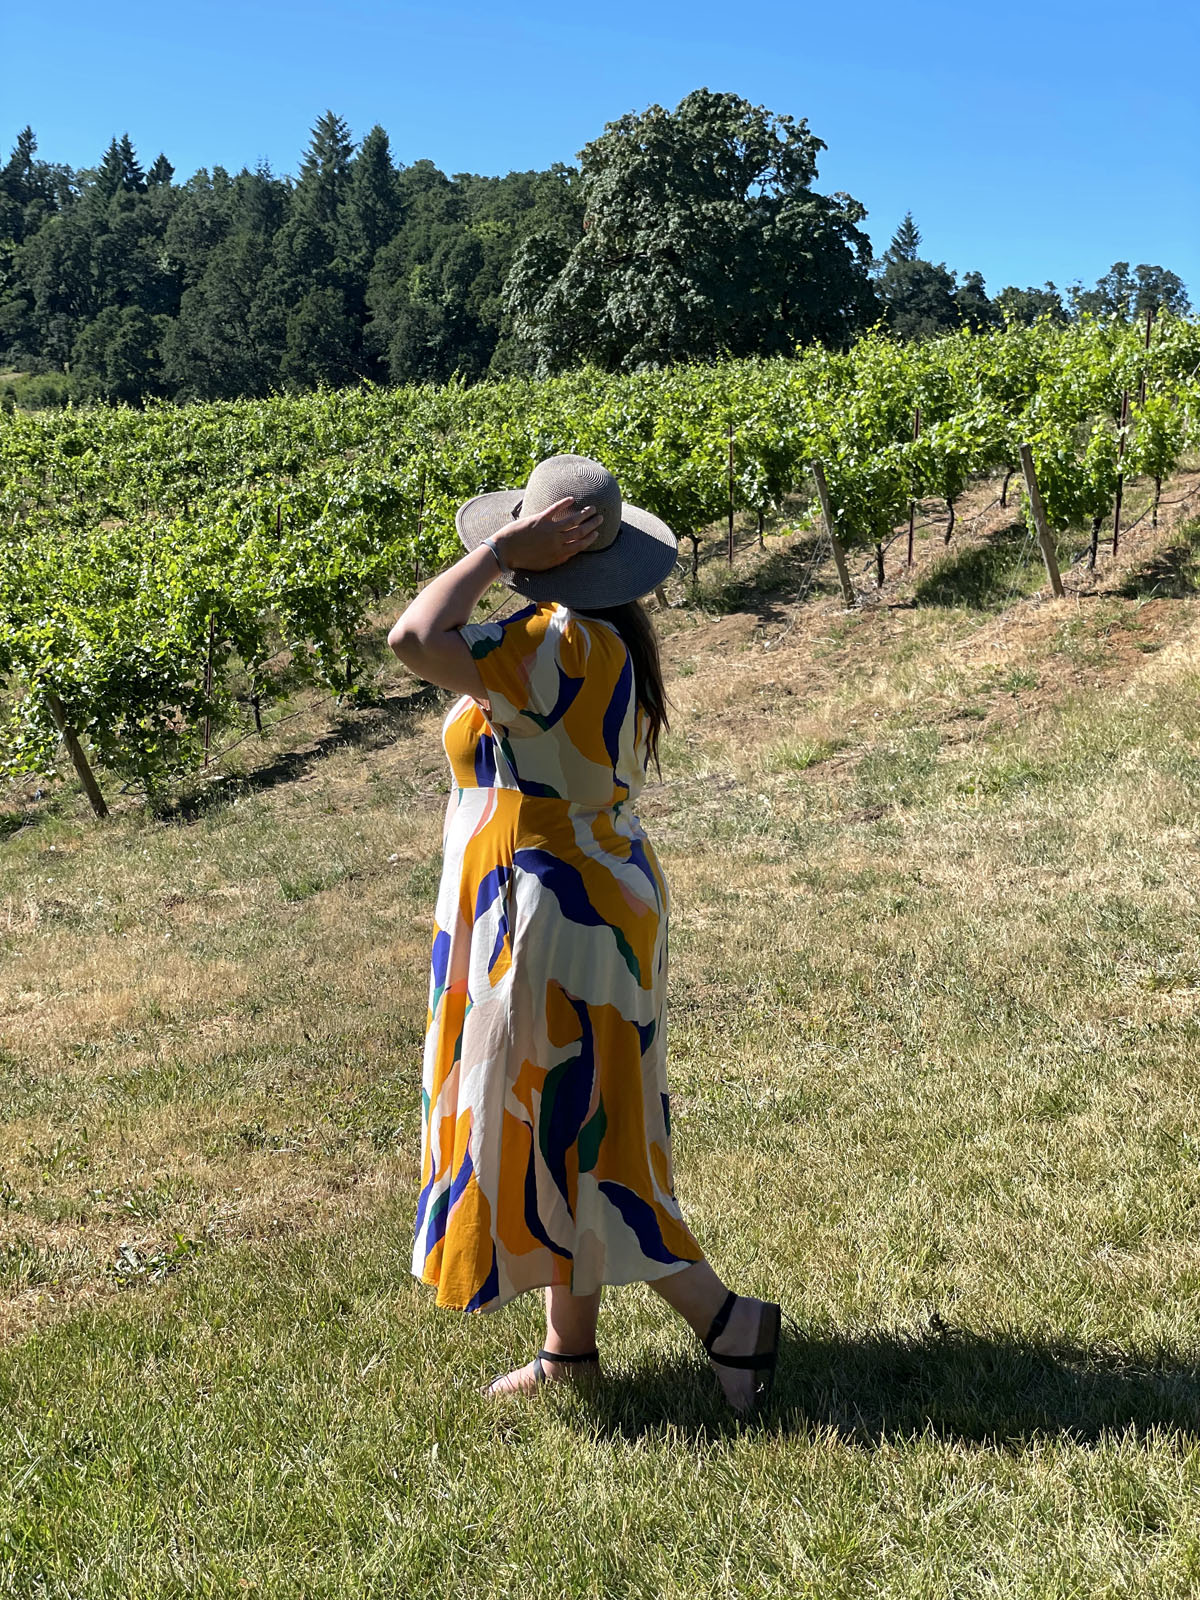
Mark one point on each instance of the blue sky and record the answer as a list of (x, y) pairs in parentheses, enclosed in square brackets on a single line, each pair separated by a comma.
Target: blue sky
[(1031, 141)]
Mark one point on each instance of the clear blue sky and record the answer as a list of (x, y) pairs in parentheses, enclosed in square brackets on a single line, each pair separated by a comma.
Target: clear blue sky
[(1031, 141)]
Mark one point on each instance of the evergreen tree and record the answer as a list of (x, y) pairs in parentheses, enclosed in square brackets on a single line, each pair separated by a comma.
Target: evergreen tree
[(920, 297), (201, 217), (110, 175), (18, 186), (906, 241), (372, 211), (259, 202), (324, 180), (320, 341), (133, 179), (217, 347), (119, 172), (117, 356), (161, 173)]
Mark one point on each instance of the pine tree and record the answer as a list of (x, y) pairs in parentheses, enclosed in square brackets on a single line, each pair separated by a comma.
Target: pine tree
[(110, 173), (17, 187), (906, 241), (133, 179), (16, 178), (119, 172), (160, 173), (373, 203), (324, 180)]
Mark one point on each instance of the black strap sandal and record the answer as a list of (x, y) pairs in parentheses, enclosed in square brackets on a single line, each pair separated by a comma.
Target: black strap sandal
[(764, 1357), (539, 1371)]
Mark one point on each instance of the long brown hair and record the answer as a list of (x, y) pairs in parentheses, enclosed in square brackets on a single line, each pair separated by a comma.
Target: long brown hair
[(632, 622)]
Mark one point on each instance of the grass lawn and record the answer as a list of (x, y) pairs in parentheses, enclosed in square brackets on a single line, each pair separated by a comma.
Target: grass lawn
[(935, 1061)]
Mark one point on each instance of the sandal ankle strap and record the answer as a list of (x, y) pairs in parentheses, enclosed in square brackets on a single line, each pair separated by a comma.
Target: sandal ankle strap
[(719, 1322), (539, 1372)]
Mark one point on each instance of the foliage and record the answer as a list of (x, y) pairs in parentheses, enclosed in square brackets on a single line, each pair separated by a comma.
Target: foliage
[(702, 235), (688, 234), (134, 545), (1125, 294)]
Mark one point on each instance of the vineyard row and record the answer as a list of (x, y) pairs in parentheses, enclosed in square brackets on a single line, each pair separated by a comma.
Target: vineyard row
[(157, 566)]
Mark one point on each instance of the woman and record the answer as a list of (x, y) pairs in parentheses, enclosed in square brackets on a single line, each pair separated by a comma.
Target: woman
[(546, 1150)]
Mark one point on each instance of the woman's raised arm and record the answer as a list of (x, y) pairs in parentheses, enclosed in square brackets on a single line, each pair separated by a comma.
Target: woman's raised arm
[(426, 637)]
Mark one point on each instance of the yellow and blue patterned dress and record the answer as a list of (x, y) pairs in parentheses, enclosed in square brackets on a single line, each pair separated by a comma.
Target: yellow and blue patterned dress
[(546, 1150)]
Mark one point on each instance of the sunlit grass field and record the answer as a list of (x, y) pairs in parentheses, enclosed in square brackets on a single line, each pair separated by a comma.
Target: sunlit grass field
[(935, 1061)]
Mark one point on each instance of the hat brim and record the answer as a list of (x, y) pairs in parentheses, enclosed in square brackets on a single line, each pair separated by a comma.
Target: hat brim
[(642, 555)]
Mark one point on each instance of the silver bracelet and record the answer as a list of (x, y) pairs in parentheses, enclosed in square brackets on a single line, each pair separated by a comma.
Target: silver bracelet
[(490, 542)]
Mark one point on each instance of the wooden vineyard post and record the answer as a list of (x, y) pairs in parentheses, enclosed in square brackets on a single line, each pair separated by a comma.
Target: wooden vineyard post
[(1150, 310), (75, 751), (1120, 495), (912, 504), (839, 555), (417, 540), (1039, 521), (731, 494), (208, 686)]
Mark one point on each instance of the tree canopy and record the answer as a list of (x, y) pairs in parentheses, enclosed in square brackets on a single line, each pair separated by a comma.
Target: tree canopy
[(682, 235), (701, 236)]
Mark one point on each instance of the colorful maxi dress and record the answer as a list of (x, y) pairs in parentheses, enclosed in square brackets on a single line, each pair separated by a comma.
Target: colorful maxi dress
[(546, 1151)]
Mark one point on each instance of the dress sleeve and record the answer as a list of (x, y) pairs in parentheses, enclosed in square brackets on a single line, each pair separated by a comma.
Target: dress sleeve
[(525, 667)]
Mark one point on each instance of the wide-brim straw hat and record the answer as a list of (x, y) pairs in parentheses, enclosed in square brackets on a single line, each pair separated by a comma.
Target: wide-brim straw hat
[(630, 556)]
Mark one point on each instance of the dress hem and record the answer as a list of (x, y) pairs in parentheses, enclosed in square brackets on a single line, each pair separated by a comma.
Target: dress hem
[(664, 1269)]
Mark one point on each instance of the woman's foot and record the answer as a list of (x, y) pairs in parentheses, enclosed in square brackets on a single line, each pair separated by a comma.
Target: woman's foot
[(525, 1380), (751, 1330)]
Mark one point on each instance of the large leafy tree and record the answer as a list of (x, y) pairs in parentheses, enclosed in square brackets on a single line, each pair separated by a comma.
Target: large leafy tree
[(218, 347), (973, 304), (1125, 294), (702, 235), (436, 288), (117, 357), (1027, 305)]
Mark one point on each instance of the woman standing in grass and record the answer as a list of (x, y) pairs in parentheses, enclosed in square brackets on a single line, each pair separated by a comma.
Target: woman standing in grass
[(546, 1150)]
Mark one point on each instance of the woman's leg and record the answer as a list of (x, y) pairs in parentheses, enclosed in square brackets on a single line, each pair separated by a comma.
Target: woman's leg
[(698, 1294), (571, 1328)]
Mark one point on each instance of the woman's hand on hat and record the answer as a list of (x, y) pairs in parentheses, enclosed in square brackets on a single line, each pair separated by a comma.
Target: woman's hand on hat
[(549, 537)]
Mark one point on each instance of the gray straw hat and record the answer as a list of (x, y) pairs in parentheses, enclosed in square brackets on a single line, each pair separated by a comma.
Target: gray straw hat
[(631, 555)]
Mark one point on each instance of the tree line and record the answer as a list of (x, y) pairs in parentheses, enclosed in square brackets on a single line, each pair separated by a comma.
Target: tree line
[(689, 234)]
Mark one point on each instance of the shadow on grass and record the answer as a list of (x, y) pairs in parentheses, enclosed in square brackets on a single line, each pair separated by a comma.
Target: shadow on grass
[(367, 727), (1171, 573), (769, 587), (982, 576), (1001, 1392)]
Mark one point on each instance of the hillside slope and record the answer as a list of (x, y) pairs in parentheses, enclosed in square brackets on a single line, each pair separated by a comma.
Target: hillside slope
[(935, 1014)]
